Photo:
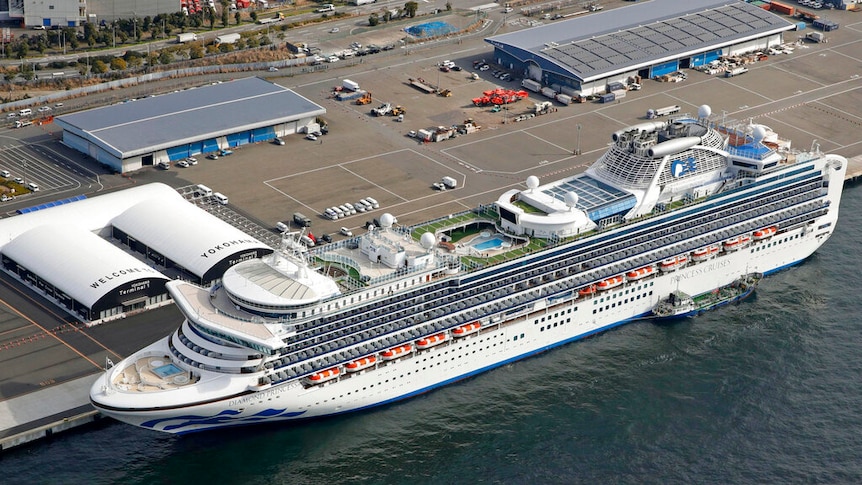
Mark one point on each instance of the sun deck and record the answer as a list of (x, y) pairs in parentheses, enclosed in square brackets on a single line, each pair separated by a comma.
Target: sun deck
[(152, 373)]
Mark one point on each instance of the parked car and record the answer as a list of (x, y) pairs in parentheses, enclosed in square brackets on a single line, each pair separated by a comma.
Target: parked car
[(213, 156), (44, 109), (272, 69), (183, 163), (311, 137), (5, 174), (225, 152), (278, 141), (18, 180), (326, 238), (346, 232), (333, 30)]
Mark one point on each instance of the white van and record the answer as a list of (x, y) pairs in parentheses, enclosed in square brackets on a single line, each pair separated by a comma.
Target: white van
[(204, 191), (282, 227), (33, 187), (221, 198), (374, 203), (307, 241), (25, 112)]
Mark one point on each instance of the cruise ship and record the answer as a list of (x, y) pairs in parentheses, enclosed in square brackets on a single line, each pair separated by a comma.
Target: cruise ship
[(686, 204)]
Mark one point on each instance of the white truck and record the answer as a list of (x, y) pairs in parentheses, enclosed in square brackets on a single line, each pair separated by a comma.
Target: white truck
[(667, 110), (817, 37), (736, 71), (227, 39), (449, 182), (186, 37), (350, 85)]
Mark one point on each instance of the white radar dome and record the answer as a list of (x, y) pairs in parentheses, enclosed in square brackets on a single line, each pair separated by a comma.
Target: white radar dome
[(427, 240), (532, 182), (571, 199), (386, 220), (759, 133), (704, 111)]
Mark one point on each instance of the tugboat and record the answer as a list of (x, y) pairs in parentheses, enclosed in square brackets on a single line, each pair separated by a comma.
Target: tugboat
[(679, 304)]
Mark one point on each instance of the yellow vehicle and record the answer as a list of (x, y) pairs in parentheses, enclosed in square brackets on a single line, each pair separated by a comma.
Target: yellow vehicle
[(365, 99), (398, 110)]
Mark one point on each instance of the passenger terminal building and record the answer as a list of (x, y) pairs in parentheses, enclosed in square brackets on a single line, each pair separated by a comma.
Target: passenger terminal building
[(106, 256), (170, 127), (645, 39)]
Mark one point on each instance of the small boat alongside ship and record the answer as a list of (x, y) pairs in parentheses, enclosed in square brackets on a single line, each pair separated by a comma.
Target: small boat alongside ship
[(679, 304)]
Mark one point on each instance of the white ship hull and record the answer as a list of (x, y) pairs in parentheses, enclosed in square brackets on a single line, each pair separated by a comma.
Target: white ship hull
[(264, 357), (457, 359)]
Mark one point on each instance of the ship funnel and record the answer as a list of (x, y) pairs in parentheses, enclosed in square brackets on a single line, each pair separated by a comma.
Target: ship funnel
[(641, 128), (673, 146)]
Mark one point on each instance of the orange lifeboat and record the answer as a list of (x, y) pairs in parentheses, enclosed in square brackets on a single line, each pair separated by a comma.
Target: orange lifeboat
[(703, 254), (324, 375), (673, 264), (360, 364), (431, 341), (765, 233), (465, 330), (735, 243), (396, 352), (612, 282), (640, 273), (587, 290)]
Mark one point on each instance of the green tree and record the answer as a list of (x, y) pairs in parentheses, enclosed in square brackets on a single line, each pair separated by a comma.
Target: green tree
[(410, 8), (238, 17), (373, 20), (196, 51), (448, 6), (99, 67), (211, 18), (165, 57), (118, 64), (225, 48), (253, 15), (21, 49), (225, 14)]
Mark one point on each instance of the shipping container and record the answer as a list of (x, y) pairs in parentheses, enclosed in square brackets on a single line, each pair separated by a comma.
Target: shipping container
[(825, 25), (564, 98), (616, 86), (801, 25), (607, 98), (619, 93), (533, 86), (549, 93), (574, 93), (782, 8)]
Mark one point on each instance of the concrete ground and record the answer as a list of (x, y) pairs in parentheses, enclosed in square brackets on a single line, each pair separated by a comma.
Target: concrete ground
[(813, 94)]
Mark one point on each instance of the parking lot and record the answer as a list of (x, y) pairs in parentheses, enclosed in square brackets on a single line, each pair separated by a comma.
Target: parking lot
[(366, 155)]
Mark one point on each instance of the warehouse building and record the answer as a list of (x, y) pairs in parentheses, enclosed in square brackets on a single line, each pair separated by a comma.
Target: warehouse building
[(81, 255), (170, 127), (643, 40)]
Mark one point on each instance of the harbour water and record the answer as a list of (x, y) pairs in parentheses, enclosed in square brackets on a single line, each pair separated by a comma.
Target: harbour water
[(766, 391)]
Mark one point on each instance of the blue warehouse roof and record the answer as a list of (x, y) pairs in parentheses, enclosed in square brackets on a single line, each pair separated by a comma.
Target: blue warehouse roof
[(600, 44), (161, 122)]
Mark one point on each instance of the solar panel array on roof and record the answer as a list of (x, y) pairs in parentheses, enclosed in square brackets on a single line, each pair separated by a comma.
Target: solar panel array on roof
[(603, 46), (54, 203), (596, 198)]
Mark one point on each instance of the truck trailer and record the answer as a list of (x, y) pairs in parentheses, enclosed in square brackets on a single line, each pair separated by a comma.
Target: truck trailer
[(186, 37), (227, 39), (667, 110)]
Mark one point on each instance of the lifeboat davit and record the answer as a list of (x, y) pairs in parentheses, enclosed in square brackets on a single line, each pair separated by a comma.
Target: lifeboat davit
[(396, 352), (640, 273), (673, 264), (360, 364), (324, 375), (587, 290), (735, 243), (765, 233), (612, 282), (426, 342), (703, 254), (465, 330)]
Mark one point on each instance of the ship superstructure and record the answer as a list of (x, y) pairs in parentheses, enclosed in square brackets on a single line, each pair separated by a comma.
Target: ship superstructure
[(685, 205)]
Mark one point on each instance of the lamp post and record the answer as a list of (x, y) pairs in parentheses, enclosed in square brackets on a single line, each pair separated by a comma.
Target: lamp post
[(24, 169), (578, 148)]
